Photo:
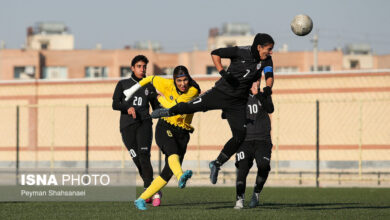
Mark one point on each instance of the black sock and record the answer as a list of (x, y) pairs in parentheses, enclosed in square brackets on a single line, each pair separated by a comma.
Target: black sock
[(221, 159)]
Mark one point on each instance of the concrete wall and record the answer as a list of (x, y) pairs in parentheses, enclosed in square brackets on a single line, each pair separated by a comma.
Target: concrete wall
[(354, 119)]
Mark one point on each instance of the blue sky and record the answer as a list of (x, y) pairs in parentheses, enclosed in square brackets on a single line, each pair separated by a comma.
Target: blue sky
[(179, 25)]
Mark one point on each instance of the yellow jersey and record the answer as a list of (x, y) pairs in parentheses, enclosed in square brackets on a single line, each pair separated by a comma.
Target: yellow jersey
[(171, 98)]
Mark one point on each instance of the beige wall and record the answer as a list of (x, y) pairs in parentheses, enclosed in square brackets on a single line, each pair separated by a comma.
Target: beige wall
[(353, 112)]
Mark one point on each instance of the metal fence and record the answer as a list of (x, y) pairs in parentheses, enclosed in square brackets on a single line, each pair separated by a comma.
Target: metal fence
[(316, 142)]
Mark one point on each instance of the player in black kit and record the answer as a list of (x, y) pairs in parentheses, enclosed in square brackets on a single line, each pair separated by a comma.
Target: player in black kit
[(135, 120), (230, 93), (257, 145)]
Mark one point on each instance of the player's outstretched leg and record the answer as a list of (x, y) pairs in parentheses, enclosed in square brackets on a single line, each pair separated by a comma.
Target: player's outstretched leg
[(161, 112), (140, 204), (183, 179), (214, 169)]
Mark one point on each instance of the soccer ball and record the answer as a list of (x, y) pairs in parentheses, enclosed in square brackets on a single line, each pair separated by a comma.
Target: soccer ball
[(301, 25)]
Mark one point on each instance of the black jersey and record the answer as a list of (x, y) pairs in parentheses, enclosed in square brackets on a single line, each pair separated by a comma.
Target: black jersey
[(244, 66), (258, 120), (140, 101)]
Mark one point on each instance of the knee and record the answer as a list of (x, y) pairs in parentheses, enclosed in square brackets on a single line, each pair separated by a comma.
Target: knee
[(144, 153), (240, 184), (239, 135), (263, 168)]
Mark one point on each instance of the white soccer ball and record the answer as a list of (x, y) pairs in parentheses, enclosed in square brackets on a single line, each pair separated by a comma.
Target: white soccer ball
[(301, 25)]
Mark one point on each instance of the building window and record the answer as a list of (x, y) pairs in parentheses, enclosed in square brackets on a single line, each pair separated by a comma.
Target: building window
[(96, 72), (125, 71), (321, 68), (210, 70), (45, 46), (286, 69), (24, 72), (354, 64), (55, 72)]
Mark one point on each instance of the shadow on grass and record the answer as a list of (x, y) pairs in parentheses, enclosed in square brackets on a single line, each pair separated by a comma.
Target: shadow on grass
[(198, 203), (292, 205), (351, 207), (309, 206)]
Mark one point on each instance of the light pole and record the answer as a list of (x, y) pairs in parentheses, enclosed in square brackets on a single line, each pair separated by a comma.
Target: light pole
[(315, 52)]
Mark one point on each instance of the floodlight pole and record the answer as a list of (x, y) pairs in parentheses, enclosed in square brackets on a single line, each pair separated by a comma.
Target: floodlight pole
[(315, 52)]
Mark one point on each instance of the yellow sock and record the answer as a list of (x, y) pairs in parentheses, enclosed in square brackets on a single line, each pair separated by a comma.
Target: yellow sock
[(174, 164), (154, 187)]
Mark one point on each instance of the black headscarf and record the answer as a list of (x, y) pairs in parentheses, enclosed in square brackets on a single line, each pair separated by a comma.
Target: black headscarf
[(260, 39)]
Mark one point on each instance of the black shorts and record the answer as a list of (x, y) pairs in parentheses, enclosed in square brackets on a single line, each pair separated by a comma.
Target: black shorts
[(171, 139), (250, 150), (137, 137)]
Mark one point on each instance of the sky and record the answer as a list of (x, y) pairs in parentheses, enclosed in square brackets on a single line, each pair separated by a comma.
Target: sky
[(179, 25)]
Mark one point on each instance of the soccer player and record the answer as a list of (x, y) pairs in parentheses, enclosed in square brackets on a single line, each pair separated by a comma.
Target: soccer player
[(230, 93), (172, 133), (135, 121), (257, 145)]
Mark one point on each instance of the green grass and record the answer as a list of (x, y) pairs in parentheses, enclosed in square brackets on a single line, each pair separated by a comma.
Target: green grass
[(218, 202)]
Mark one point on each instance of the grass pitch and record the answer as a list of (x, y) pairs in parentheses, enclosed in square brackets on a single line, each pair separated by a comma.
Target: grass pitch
[(218, 202)]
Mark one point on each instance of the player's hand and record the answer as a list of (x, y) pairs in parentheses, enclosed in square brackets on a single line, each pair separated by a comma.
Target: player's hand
[(229, 78), (131, 111), (255, 88), (267, 91)]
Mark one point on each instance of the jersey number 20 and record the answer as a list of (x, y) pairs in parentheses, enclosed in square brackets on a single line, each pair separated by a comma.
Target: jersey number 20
[(137, 101)]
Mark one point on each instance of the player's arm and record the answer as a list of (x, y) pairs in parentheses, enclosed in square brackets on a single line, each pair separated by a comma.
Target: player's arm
[(130, 92), (157, 81), (269, 77), (117, 99), (266, 102), (216, 55)]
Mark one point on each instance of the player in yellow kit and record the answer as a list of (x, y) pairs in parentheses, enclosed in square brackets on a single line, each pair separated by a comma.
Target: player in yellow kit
[(172, 133)]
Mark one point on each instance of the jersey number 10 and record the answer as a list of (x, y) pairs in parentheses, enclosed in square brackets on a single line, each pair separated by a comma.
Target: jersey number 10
[(253, 109)]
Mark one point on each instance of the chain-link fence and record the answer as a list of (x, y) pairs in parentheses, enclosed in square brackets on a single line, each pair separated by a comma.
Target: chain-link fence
[(325, 142)]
